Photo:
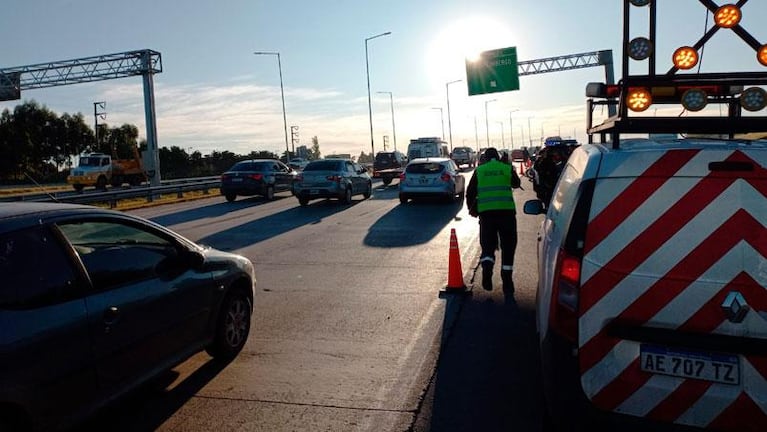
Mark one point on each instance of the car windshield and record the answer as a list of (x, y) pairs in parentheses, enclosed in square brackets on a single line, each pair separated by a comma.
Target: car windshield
[(425, 168), (252, 166), (90, 161), (325, 165)]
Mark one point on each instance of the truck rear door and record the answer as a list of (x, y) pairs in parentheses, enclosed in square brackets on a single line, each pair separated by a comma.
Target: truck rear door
[(673, 306)]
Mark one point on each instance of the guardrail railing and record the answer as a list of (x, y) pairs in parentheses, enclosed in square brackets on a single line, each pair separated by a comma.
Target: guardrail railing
[(113, 195)]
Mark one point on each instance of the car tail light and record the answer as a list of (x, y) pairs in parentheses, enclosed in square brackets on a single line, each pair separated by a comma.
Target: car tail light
[(256, 176), (564, 304), (402, 177), (224, 177), (445, 177), (335, 178)]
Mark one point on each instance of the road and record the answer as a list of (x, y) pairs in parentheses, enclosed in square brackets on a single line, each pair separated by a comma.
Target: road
[(349, 331)]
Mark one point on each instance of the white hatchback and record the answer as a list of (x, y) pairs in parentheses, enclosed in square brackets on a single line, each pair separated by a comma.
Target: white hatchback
[(432, 177)]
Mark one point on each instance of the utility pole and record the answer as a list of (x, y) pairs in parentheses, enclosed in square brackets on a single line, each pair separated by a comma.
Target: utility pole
[(294, 138), (99, 115)]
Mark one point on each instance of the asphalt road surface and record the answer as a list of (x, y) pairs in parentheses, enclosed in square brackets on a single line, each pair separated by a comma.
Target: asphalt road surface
[(349, 330)]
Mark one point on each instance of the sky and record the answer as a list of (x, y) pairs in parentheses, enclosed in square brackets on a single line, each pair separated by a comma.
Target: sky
[(215, 94)]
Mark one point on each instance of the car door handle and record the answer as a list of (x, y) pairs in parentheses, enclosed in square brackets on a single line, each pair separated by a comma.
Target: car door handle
[(111, 314)]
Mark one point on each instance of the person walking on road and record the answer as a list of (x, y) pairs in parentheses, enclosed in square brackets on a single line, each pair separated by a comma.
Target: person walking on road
[(489, 197)]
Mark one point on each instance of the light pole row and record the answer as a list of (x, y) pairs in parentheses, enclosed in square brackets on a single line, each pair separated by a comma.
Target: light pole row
[(370, 104), (282, 93)]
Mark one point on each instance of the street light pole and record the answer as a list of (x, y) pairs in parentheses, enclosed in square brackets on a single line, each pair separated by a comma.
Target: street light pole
[(282, 94), (529, 132), (370, 104), (476, 134), (503, 140), (449, 123), (442, 121), (511, 127), (487, 126), (393, 130)]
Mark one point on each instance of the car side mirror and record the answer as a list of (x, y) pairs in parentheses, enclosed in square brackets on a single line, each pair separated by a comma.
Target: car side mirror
[(534, 207)]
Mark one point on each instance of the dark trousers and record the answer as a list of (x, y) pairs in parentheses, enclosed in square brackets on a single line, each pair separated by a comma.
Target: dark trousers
[(495, 225)]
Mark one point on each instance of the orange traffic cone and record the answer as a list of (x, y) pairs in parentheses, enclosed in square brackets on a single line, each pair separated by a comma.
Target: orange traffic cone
[(455, 273)]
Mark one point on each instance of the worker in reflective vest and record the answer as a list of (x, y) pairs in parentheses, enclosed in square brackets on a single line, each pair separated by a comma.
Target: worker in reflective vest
[(489, 196)]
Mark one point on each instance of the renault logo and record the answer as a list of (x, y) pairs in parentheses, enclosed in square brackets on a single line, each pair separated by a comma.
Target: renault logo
[(735, 307)]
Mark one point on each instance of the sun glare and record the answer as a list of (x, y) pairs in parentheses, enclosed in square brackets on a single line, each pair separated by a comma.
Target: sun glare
[(465, 40)]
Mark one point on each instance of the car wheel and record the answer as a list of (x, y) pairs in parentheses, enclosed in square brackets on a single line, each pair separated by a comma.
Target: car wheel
[(386, 181), (78, 187), (231, 197), (269, 193), (402, 199), (233, 326), (368, 191), (347, 198), (303, 201)]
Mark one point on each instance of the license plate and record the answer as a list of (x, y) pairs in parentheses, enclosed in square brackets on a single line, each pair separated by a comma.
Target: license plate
[(236, 179), (721, 368), (423, 180), (314, 191)]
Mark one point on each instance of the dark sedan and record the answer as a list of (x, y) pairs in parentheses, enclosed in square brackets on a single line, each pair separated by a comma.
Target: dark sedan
[(261, 177), (95, 302)]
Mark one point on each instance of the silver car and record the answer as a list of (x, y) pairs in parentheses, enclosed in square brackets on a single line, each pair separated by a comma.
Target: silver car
[(431, 177), (332, 178)]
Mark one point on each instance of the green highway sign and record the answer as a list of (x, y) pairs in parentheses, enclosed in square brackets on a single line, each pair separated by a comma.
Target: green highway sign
[(495, 71)]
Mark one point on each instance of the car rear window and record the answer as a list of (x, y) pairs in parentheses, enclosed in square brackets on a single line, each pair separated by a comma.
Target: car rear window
[(324, 165), (425, 168), (384, 157), (252, 166)]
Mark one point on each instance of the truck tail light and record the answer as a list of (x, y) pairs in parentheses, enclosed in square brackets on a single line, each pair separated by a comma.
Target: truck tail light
[(563, 316)]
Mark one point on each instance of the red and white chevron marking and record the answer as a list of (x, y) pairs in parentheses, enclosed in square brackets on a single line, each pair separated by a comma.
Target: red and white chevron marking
[(666, 253)]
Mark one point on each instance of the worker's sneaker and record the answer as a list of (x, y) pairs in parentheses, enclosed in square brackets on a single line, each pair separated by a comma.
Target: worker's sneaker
[(508, 283), (487, 275)]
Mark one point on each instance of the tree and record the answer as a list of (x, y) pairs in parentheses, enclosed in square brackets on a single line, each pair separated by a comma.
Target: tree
[(314, 152), (365, 158)]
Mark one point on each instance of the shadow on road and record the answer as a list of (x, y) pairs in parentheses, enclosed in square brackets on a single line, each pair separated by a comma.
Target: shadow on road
[(411, 224), (488, 376), (147, 408), (261, 229), (212, 210)]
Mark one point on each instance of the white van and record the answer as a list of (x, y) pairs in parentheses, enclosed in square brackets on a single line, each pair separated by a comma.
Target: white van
[(427, 147)]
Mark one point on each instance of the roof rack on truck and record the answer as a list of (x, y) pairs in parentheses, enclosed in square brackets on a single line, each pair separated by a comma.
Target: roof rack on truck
[(736, 92)]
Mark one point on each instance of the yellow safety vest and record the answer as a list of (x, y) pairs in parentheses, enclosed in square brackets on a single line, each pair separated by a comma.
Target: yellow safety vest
[(494, 187)]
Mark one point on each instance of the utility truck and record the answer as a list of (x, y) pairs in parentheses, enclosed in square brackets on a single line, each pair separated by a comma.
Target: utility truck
[(100, 169)]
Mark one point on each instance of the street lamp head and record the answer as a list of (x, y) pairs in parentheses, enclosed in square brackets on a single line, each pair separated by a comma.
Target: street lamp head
[(377, 36)]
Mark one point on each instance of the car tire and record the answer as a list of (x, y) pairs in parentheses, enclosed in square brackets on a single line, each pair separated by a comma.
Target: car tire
[(402, 199), (368, 191), (386, 181), (78, 188), (269, 193), (347, 198), (231, 197), (303, 201), (232, 327)]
